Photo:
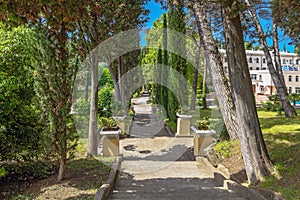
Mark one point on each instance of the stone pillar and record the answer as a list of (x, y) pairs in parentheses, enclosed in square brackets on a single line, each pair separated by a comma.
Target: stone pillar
[(183, 125), (110, 142), (202, 140), (121, 124)]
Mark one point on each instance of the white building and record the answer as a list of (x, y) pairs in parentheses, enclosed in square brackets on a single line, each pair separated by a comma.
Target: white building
[(262, 83)]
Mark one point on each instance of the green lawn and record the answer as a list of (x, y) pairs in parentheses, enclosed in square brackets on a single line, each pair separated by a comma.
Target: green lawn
[(282, 137), (272, 123)]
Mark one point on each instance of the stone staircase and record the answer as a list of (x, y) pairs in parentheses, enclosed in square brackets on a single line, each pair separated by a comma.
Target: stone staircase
[(158, 166), (173, 180)]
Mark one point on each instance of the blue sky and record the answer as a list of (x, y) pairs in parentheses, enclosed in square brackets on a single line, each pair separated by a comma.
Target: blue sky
[(156, 11)]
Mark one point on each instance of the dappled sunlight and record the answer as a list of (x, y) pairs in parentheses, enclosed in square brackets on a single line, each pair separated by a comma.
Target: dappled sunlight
[(278, 124), (284, 151)]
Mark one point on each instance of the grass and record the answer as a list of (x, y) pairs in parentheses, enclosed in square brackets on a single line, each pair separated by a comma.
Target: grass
[(282, 138), (83, 178), (227, 148)]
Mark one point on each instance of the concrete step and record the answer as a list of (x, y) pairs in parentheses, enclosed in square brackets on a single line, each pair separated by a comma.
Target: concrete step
[(175, 193)]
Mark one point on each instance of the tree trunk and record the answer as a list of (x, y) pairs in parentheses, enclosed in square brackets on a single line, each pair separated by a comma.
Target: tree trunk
[(62, 166), (255, 155), (204, 103), (276, 77), (114, 75), (121, 72), (215, 66), (93, 123), (276, 51), (195, 79), (86, 87)]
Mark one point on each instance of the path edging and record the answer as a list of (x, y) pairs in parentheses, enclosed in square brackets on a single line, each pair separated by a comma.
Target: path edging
[(105, 189), (234, 183), (224, 178)]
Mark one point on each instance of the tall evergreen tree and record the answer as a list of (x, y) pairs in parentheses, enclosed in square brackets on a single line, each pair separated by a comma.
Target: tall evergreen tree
[(158, 76), (176, 22), (165, 76)]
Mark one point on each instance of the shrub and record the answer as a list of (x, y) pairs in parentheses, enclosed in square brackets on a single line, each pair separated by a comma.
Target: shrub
[(104, 101), (118, 109), (107, 122), (203, 124)]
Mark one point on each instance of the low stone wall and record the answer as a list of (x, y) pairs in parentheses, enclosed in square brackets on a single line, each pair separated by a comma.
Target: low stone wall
[(230, 182), (103, 192)]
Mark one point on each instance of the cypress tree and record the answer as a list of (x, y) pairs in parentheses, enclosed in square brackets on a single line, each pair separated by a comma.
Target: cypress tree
[(164, 73), (157, 75), (176, 23)]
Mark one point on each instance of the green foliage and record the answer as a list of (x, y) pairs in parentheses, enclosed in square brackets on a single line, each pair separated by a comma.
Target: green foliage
[(286, 14), (82, 106), (203, 124), (183, 110), (105, 96), (20, 171), (118, 109), (176, 22), (172, 125), (282, 138), (227, 148), (54, 82), (105, 79), (23, 197), (20, 137), (107, 122), (3, 172), (273, 104)]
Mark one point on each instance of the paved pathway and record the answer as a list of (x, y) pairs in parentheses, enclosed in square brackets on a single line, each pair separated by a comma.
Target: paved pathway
[(158, 166), (146, 124)]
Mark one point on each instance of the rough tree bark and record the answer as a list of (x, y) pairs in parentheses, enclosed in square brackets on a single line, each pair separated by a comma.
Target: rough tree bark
[(114, 75), (204, 103), (215, 67), (195, 78), (93, 122), (86, 87), (121, 72), (275, 75), (255, 155)]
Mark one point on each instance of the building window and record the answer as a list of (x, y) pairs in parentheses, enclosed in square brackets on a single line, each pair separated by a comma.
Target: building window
[(283, 61), (257, 68), (297, 90), (257, 60), (297, 79), (225, 60), (264, 60), (260, 78), (250, 60), (262, 89), (253, 76), (291, 61), (290, 78), (297, 62), (290, 90), (251, 68)]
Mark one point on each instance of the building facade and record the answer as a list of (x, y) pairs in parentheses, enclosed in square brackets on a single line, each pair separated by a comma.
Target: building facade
[(262, 83)]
